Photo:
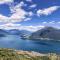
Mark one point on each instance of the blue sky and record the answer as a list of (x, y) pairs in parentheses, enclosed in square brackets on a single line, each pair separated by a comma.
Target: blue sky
[(32, 14)]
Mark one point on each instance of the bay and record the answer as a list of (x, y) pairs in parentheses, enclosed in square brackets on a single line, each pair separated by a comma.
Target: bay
[(42, 46)]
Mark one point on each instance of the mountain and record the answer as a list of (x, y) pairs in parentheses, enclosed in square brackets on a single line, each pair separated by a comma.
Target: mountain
[(21, 33), (3, 33), (24, 34), (46, 33), (14, 32), (18, 32)]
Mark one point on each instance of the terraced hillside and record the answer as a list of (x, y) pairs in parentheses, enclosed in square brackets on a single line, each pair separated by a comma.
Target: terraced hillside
[(10, 54)]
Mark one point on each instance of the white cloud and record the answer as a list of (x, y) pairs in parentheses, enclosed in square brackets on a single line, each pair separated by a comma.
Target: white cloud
[(33, 6), (30, 13), (6, 1), (27, 19), (29, 0), (22, 3), (32, 28), (52, 22), (29, 28), (8, 26), (18, 14), (44, 22), (47, 11), (58, 22)]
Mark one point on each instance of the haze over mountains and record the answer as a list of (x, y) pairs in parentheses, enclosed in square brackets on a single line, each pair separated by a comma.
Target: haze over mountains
[(3, 32), (44, 33)]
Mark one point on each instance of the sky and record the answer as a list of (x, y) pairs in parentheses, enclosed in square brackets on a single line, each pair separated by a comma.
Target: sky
[(29, 15)]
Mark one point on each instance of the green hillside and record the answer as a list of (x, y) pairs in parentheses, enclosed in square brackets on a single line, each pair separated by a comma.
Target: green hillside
[(10, 54)]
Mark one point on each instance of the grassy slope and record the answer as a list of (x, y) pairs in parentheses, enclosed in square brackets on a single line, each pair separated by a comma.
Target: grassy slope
[(9, 54)]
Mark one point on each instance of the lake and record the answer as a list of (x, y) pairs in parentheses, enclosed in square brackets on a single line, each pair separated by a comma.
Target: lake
[(42, 46)]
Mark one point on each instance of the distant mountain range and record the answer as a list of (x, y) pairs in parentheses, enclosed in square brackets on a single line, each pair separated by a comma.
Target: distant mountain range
[(3, 33), (46, 33), (21, 33)]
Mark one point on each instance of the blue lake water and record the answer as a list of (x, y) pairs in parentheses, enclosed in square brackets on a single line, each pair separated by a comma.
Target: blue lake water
[(13, 41)]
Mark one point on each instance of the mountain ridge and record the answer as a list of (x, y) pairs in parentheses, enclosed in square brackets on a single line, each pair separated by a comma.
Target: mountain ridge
[(46, 33), (17, 32)]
